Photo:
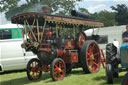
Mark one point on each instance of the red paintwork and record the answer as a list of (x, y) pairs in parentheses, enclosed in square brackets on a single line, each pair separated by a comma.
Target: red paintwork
[(45, 49), (69, 44), (93, 57), (34, 70), (70, 57), (67, 59), (59, 70), (22, 33), (82, 38), (45, 45), (74, 57), (67, 56), (59, 52), (103, 61), (49, 33)]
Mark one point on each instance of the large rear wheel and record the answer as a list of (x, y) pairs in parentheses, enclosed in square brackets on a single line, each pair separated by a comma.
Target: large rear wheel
[(33, 72), (90, 57), (58, 69)]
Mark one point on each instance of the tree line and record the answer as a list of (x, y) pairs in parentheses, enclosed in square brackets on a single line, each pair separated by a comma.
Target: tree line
[(119, 16)]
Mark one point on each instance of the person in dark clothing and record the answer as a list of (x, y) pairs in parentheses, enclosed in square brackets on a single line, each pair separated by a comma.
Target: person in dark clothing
[(125, 35)]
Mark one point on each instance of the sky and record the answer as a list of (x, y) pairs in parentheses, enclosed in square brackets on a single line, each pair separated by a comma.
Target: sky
[(92, 6), (98, 5)]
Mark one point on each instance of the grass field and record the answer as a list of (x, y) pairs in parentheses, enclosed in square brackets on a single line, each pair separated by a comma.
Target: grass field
[(77, 77)]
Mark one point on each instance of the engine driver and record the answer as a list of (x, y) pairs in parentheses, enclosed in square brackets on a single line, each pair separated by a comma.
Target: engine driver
[(125, 36)]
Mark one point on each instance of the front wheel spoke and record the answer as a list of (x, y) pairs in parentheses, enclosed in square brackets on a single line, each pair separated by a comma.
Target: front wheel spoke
[(55, 71), (62, 71), (60, 75), (55, 74), (60, 65), (55, 66)]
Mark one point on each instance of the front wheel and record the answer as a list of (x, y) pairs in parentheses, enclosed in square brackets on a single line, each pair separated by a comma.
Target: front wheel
[(58, 69), (33, 72), (109, 74)]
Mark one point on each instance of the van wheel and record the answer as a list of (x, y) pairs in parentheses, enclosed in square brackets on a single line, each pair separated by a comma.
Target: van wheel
[(33, 69)]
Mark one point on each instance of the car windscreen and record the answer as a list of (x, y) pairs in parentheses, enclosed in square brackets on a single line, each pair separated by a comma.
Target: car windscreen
[(5, 34)]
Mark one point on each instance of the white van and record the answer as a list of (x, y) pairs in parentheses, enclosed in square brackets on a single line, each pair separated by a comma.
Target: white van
[(12, 56)]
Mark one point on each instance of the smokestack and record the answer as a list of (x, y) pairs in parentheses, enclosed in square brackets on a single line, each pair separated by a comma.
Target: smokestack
[(45, 9)]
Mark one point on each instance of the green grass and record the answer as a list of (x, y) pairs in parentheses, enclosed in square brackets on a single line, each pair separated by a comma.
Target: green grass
[(77, 77)]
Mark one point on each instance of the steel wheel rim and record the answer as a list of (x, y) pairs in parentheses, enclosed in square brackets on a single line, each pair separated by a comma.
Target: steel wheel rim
[(59, 70), (34, 70), (93, 57)]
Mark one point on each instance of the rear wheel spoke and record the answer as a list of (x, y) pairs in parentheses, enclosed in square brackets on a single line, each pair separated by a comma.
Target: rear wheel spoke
[(91, 49), (95, 54), (94, 63)]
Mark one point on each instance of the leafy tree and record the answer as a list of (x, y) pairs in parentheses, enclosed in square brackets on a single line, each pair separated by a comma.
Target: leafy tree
[(121, 14), (107, 17), (84, 10), (7, 4), (60, 7)]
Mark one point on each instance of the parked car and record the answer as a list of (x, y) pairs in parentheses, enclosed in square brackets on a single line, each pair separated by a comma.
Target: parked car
[(12, 56)]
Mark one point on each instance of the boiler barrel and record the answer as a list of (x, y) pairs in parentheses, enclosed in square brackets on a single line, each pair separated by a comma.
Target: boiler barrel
[(80, 14)]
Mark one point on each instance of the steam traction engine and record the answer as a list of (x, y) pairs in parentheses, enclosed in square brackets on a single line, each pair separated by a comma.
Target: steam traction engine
[(60, 44)]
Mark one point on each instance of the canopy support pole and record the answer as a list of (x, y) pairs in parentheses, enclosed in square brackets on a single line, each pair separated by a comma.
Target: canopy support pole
[(43, 30), (38, 29), (31, 29)]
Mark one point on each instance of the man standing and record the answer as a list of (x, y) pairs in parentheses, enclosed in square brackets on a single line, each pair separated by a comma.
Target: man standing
[(125, 35)]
